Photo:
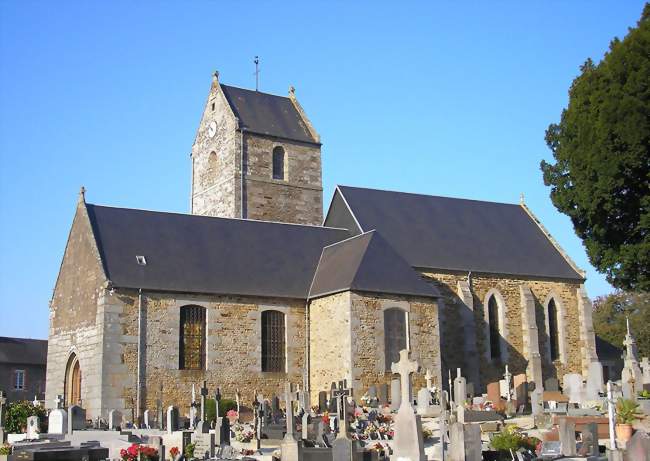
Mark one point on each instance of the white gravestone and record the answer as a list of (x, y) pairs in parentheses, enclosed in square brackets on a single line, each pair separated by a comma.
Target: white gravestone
[(57, 421), (114, 420), (424, 404), (33, 428), (460, 388), (408, 442), (172, 419), (594, 380), (572, 387)]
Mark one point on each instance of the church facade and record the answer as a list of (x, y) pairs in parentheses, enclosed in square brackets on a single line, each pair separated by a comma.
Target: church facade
[(255, 288)]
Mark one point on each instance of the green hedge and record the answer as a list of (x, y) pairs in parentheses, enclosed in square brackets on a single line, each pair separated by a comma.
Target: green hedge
[(225, 405), (17, 414)]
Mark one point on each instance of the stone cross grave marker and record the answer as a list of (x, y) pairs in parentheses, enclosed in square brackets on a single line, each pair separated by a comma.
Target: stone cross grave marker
[(341, 394), (408, 441), (217, 399), (238, 400), (203, 426), (507, 376), (395, 394), (291, 423), (58, 401), (429, 377)]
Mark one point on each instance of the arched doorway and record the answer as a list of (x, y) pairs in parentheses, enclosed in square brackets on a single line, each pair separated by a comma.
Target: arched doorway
[(72, 381)]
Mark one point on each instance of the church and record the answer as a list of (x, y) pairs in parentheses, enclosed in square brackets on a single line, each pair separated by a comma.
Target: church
[(255, 287)]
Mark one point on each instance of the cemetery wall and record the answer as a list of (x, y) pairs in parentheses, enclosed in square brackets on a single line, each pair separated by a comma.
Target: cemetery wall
[(330, 342), (508, 287), (299, 198), (215, 161), (233, 348)]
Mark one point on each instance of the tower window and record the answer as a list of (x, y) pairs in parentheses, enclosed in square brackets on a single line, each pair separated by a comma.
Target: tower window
[(19, 380), (493, 319), (213, 106), (394, 335), (273, 350), (279, 163), (192, 338), (553, 333)]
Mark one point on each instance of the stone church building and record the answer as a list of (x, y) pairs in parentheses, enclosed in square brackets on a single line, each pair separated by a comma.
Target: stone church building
[(255, 288)]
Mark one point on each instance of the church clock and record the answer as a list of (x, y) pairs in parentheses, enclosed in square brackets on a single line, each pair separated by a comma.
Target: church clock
[(212, 129)]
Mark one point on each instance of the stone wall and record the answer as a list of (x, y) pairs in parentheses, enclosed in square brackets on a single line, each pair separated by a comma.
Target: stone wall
[(233, 349), (347, 339), (507, 290)]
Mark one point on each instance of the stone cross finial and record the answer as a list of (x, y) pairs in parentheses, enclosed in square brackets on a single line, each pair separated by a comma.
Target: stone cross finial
[(289, 402), (507, 376), (292, 91), (58, 401), (404, 368)]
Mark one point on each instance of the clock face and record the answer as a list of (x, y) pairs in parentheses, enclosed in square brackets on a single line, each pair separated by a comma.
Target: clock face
[(212, 128)]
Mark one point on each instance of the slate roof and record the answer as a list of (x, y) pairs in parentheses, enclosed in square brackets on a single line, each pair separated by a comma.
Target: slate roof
[(267, 114), (23, 351), (367, 263), (455, 234), (607, 351), (201, 254)]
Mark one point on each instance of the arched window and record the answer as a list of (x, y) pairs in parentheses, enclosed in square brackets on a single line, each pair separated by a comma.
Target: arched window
[(279, 163), (192, 338), (72, 385), (493, 323), (273, 350), (395, 334), (553, 333)]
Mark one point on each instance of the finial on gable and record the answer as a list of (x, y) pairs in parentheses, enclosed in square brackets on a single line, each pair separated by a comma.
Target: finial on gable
[(82, 194), (521, 199), (292, 92)]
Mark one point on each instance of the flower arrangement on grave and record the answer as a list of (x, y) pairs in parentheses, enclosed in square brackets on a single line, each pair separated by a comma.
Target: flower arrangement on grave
[(369, 424), (644, 394), (243, 433), (232, 415), (247, 452), (512, 438), (189, 450), (326, 418), (138, 452), (5, 449), (174, 452), (427, 433)]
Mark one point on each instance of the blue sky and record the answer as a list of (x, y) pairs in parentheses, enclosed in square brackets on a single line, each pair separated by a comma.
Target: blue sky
[(440, 98)]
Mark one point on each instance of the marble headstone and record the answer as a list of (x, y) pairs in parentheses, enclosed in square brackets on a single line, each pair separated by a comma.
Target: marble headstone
[(114, 420), (572, 387), (395, 394), (33, 428), (57, 421), (594, 380), (76, 418)]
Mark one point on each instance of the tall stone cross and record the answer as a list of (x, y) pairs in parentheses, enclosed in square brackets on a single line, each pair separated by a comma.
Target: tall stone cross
[(238, 399), (341, 395), (217, 399), (507, 376), (428, 376), (204, 395), (404, 368), (289, 436)]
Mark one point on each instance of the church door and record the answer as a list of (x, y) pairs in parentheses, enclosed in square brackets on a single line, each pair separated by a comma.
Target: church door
[(73, 382)]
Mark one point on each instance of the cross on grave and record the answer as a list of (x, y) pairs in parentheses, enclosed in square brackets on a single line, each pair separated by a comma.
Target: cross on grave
[(404, 368), (341, 394), (238, 399), (217, 399), (507, 376), (58, 402), (428, 377), (258, 412), (204, 395), (289, 436)]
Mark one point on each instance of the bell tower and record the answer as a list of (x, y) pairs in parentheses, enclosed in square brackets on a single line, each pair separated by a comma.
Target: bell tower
[(256, 156)]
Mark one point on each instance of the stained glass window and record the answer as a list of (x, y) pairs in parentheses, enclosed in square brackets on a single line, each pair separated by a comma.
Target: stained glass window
[(192, 338)]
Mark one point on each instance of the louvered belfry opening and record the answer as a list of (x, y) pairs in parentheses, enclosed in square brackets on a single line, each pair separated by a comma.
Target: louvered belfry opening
[(394, 335), (273, 355), (192, 338), (553, 334), (493, 318)]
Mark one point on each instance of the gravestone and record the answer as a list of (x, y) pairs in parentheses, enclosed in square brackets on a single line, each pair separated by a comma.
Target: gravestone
[(408, 442), (645, 372), (290, 449), (567, 433), (57, 421), (589, 445), (494, 394), (275, 409), (395, 394), (572, 387), (460, 389), (145, 420), (172, 419), (424, 403), (383, 394), (594, 381), (372, 396), (76, 418), (465, 442), (114, 420), (638, 448), (322, 401), (520, 383), (203, 426), (33, 428), (537, 402), (551, 385), (428, 378)]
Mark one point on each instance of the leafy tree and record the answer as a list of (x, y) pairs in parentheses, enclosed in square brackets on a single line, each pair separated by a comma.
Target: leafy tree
[(17, 414), (610, 314), (601, 178)]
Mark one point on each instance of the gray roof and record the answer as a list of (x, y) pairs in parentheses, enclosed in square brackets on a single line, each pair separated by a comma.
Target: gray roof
[(607, 351), (267, 114), (454, 234), (201, 254), (367, 263), (23, 351)]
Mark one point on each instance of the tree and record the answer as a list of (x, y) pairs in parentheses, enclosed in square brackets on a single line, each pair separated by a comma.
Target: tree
[(610, 313), (601, 178), (17, 414)]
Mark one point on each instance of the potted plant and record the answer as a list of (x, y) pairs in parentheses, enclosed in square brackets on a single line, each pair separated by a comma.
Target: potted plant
[(189, 451), (627, 411)]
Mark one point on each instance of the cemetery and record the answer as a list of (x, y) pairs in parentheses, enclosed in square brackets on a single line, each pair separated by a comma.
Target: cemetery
[(573, 418)]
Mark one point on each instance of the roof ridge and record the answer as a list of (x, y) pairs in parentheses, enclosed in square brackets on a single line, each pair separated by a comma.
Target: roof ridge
[(145, 210), (253, 91), (419, 194)]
